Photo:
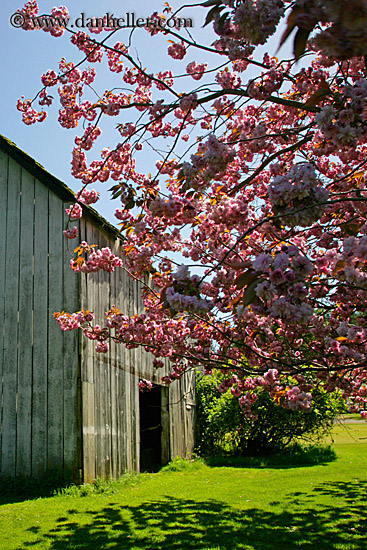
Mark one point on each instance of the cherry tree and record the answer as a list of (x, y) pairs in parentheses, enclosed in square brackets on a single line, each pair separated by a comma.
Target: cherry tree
[(252, 229)]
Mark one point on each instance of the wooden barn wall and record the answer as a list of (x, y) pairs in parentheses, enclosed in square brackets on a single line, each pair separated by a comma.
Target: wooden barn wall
[(111, 436), (39, 365)]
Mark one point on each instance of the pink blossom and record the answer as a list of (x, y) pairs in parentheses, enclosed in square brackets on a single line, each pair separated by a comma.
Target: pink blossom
[(177, 51), (71, 233), (196, 70), (145, 385), (75, 211)]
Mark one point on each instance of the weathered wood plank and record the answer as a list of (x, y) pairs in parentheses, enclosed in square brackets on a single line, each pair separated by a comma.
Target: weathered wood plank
[(134, 414), (71, 366), (89, 446), (189, 411), (165, 421), (182, 416), (3, 222), (24, 398), (113, 383), (11, 323), (176, 419), (87, 374), (95, 293), (87, 346), (122, 376), (172, 414), (55, 379), (106, 365), (40, 324), (128, 389)]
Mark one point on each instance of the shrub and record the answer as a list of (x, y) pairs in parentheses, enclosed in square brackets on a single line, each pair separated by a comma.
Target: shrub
[(179, 464), (222, 427)]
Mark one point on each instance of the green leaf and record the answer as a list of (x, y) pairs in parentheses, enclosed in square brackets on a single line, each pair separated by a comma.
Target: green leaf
[(278, 224), (290, 26), (212, 14), (245, 278), (317, 97), (300, 42), (250, 294), (222, 21), (351, 228), (117, 193), (209, 3), (130, 205)]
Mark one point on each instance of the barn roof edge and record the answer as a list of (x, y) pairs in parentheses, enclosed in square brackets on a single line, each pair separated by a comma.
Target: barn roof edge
[(56, 185)]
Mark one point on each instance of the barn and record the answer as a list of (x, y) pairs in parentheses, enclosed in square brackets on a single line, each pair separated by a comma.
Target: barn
[(64, 407)]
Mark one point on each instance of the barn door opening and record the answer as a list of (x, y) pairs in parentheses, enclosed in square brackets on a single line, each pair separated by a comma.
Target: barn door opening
[(153, 429)]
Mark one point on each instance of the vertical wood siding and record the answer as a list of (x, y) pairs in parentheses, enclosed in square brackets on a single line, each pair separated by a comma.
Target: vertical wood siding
[(39, 363), (112, 424), (62, 405)]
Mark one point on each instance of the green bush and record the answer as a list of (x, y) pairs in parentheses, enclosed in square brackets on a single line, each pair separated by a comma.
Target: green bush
[(179, 464), (222, 426)]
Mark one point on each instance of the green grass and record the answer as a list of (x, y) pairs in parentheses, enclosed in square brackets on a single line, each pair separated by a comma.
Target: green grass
[(193, 505)]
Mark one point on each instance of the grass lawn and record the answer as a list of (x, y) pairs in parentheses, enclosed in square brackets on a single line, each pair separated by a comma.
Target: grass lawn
[(207, 508)]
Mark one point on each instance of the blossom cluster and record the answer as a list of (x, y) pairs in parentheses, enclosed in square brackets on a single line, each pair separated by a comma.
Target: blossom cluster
[(82, 320), (266, 198), (145, 385), (71, 233), (290, 397), (298, 196), (345, 124), (88, 196), (209, 162), (100, 259), (257, 20), (184, 294), (269, 83), (72, 321), (349, 23), (88, 46), (196, 70), (51, 24), (177, 50), (74, 212), (30, 115), (279, 282)]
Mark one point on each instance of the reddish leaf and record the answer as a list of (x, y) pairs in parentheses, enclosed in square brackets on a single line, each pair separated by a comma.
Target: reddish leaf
[(338, 266)]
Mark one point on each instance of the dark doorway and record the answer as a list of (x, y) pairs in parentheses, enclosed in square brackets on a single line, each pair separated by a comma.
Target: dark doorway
[(150, 430)]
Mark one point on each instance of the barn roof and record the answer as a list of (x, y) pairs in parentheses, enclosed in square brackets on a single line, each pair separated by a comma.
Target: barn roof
[(53, 183)]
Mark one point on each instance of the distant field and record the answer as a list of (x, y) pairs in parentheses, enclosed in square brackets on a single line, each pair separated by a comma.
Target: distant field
[(349, 432), (191, 505)]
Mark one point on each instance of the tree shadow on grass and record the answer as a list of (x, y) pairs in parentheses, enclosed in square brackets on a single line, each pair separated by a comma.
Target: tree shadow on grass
[(176, 524), (296, 456), (21, 488)]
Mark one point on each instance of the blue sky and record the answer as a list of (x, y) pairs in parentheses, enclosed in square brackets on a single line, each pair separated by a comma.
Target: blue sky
[(26, 55)]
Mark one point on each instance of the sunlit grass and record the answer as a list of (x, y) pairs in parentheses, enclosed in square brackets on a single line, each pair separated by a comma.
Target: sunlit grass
[(193, 505)]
